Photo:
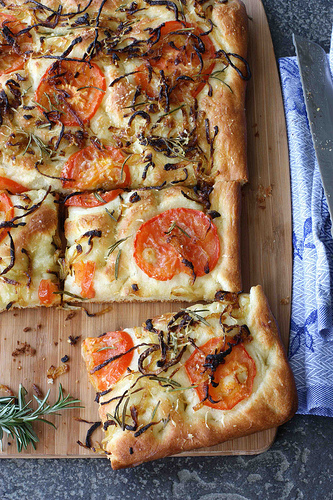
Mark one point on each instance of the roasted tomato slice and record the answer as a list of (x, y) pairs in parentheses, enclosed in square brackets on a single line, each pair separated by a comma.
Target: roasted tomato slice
[(182, 56), (45, 292), (91, 168), (84, 277), (88, 200), (12, 45), (178, 240), (97, 351), (6, 212), (74, 89), (12, 186), (234, 377)]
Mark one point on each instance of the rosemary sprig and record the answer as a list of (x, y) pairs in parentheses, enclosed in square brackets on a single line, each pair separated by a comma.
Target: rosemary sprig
[(197, 316), (99, 198), (43, 148), (114, 418), (123, 166), (155, 410), (166, 380), (105, 348), (220, 80), (17, 417), (124, 414), (70, 294), (25, 91), (175, 225), (111, 214), (136, 105), (116, 267), (172, 111), (40, 105), (91, 87), (116, 244), (52, 107), (183, 388)]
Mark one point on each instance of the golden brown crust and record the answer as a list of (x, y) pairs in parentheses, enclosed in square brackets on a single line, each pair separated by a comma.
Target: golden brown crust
[(227, 109), (182, 424)]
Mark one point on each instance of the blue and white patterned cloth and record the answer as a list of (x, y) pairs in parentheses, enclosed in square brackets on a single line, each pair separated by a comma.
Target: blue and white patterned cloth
[(311, 330)]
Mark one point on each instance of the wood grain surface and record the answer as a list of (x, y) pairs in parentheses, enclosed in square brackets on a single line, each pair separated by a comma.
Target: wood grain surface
[(266, 259)]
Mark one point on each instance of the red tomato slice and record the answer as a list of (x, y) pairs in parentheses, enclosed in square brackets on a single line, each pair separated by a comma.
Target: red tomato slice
[(12, 57), (77, 92), (98, 350), (88, 200), (84, 276), (6, 212), (45, 292), (179, 52), (12, 186), (234, 377), (193, 238), (91, 168)]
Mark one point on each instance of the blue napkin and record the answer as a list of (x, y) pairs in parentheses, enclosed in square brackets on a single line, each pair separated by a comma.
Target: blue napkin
[(311, 329)]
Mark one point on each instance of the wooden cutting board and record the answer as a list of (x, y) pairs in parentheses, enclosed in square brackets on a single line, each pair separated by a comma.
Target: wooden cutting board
[(266, 259)]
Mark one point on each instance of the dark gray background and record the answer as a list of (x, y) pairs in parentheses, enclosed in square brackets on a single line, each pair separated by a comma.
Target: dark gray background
[(298, 466)]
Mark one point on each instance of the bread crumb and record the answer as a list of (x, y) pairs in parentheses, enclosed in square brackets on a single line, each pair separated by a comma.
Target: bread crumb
[(262, 195), (24, 348)]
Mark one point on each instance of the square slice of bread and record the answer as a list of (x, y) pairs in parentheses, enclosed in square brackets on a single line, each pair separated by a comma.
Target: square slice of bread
[(29, 249), (190, 379), (172, 244)]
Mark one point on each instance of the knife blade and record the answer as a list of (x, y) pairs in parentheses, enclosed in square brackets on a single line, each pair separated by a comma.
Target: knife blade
[(318, 94)]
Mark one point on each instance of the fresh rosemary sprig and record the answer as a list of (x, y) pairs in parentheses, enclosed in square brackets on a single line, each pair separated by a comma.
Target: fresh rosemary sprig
[(99, 198), (17, 417), (197, 316), (116, 266), (73, 295), (105, 348), (116, 244), (175, 225), (42, 147), (172, 111)]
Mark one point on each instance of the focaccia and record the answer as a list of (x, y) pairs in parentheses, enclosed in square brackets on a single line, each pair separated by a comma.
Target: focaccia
[(176, 243), (195, 378), (104, 94), (29, 244)]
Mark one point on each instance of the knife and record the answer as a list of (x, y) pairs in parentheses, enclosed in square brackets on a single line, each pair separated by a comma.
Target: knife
[(318, 94)]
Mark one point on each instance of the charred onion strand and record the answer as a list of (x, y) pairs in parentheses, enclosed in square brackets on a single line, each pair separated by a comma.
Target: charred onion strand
[(143, 115), (90, 432), (107, 361), (167, 3), (12, 256), (227, 55)]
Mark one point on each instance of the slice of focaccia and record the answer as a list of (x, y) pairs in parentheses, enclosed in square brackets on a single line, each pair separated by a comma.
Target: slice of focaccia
[(172, 244), (196, 378), (29, 245), (113, 94)]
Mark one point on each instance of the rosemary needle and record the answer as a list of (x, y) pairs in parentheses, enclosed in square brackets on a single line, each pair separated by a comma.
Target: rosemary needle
[(17, 417)]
